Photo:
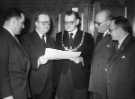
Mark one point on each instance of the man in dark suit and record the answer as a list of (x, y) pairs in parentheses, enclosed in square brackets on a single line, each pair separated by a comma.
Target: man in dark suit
[(14, 62), (35, 44), (74, 74), (119, 70)]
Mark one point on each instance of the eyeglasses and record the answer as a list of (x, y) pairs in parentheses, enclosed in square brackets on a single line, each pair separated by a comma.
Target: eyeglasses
[(44, 22), (69, 22)]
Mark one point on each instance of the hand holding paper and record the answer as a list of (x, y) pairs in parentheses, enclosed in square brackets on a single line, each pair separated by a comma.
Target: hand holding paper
[(78, 60), (42, 60), (54, 54)]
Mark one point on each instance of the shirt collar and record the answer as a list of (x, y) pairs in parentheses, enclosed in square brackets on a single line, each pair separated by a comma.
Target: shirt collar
[(74, 32), (122, 40), (40, 34), (9, 30)]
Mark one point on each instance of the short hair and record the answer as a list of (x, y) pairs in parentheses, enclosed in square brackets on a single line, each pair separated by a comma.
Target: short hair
[(36, 15), (76, 14), (123, 23), (35, 18), (13, 12)]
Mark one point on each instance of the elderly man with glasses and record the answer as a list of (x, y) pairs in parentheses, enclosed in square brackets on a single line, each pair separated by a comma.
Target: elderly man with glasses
[(35, 43), (73, 73)]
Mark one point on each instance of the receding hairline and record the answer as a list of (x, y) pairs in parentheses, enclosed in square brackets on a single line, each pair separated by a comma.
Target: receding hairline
[(106, 12)]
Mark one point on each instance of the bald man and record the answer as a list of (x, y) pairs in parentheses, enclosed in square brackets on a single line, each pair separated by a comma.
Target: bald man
[(103, 51), (102, 23), (35, 44)]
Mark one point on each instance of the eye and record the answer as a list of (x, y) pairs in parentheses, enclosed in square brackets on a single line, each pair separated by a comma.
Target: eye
[(97, 23), (69, 22)]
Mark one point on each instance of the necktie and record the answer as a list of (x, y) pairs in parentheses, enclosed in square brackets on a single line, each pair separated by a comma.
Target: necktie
[(115, 44), (70, 40), (43, 39), (99, 37)]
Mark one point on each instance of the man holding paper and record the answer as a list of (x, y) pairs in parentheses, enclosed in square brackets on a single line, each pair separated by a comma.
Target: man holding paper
[(35, 43), (72, 74)]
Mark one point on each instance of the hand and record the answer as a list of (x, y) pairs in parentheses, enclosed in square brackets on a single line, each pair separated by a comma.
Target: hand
[(9, 97), (78, 60), (42, 60)]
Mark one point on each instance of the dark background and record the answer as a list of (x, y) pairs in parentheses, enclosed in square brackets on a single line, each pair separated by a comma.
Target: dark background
[(56, 7)]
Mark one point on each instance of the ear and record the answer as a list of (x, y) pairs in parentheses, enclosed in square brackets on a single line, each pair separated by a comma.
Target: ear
[(36, 24), (77, 21)]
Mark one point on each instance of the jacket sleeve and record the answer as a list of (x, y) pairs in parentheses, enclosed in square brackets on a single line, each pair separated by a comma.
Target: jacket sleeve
[(5, 85), (88, 51)]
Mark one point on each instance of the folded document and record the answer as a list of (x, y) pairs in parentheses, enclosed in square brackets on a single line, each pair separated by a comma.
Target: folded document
[(55, 54)]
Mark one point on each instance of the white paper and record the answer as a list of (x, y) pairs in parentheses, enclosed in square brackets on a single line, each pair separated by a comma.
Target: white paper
[(53, 54)]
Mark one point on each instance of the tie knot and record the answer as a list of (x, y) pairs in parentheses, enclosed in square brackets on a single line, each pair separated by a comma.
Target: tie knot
[(71, 35)]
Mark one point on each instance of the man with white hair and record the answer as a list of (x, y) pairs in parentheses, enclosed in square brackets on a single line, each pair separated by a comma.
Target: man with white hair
[(102, 23)]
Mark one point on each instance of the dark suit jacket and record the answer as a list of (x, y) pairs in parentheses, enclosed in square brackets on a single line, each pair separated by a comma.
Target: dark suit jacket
[(102, 52), (14, 67), (120, 71), (80, 74), (39, 78)]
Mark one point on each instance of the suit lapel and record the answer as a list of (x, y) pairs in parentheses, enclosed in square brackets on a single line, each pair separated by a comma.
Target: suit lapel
[(120, 53), (126, 43), (16, 42), (37, 39), (77, 39)]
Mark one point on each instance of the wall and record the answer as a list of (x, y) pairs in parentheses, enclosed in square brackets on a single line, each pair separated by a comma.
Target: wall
[(54, 7)]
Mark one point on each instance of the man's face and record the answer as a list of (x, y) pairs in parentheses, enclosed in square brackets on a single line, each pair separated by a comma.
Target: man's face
[(101, 22), (115, 31), (19, 24), (70, 23), (43, 23)]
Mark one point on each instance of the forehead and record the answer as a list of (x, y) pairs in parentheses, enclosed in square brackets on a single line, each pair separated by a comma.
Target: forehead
[(43, 17), (101, 17), (69, 17)]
